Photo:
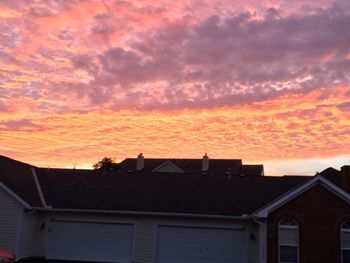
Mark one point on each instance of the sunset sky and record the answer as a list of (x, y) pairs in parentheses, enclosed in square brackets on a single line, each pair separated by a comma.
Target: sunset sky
[(266, 81)]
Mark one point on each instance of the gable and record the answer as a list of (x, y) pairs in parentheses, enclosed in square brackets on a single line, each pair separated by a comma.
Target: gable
[(168, 167), (287, 197), (316, 199), (319, 212)]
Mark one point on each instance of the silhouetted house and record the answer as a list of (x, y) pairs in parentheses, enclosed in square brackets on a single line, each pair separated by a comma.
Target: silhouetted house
[(173, 210), (192, 166)]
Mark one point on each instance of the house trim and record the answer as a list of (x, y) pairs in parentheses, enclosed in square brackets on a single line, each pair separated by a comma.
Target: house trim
[(179, 170), (262, 239), (38, 187), (141, 213), (15, 196), (317, 179)]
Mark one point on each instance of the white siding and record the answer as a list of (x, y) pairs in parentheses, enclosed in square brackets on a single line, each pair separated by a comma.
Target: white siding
[(30, 235), (144, 240), (253, 242), (10, 219), (146, 230)]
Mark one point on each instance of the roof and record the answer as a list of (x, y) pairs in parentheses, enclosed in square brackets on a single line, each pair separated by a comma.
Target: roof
[(217, 166), (308, 184), (183, 193), (161, 192), (332, 175), (17, 176), (251, 169)]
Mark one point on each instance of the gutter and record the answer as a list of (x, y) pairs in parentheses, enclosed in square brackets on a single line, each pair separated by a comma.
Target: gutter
[(140, 213)]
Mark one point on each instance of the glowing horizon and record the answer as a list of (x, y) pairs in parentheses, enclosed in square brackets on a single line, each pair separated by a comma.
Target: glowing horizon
[(262, 81)]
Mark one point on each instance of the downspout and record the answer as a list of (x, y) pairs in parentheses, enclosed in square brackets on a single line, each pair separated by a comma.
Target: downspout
[(262, 240)]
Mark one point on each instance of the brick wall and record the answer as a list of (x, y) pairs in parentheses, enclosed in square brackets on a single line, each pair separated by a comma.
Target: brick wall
[(319, 214)]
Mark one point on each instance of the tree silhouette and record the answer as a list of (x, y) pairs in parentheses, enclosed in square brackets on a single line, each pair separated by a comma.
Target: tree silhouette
[(106, 164)]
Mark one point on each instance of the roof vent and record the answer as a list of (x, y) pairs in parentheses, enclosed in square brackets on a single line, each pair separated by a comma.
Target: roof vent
[(229, 173)]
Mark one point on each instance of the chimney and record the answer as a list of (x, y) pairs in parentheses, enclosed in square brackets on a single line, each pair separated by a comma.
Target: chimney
[(345, 177), (140, 162), (205, 163)]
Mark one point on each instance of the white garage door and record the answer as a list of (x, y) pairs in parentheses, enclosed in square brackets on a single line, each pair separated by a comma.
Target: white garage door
[(90, 241), (200, 245)]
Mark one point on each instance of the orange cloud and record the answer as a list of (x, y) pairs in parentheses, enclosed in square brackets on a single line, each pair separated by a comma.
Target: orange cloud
[(86, 79), (289, 127)]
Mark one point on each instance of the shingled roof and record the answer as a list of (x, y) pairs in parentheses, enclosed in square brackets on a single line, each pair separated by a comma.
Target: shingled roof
[(192, 166), (148, 191), (155, 192), (18, 177)]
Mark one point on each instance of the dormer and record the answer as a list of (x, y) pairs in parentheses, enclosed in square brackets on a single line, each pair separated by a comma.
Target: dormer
[(168, 167)]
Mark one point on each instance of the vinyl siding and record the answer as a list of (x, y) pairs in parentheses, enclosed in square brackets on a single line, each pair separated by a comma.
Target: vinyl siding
[(144, 246), (30, 235), (144, 241), (253, 242), (10, 220)]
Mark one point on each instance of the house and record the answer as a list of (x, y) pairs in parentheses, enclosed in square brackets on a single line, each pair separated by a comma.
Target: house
[(165, 211), (192, 166)]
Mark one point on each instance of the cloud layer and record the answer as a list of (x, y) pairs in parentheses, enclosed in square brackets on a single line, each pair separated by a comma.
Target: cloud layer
[(223, 63)]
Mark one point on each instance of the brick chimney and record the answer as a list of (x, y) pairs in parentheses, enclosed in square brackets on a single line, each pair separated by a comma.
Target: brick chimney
[(345, 177), (140, 162), (205, 163)]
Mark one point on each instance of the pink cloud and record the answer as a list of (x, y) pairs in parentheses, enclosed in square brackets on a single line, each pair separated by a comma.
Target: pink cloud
[(263, 74)]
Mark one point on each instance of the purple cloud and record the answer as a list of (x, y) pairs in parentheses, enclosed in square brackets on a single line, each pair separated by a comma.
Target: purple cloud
[(3, 106), (225, 61), (22, 124), (344, 106)]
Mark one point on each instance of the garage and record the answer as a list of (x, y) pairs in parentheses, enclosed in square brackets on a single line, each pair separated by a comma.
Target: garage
[(90, 241), (200, 245)]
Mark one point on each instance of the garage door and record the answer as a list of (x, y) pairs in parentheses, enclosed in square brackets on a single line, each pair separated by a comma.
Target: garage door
[(200, 245), (90, 241)]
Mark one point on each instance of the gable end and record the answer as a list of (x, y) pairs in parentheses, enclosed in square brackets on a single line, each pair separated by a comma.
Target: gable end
[(168, 167), (285, 198)]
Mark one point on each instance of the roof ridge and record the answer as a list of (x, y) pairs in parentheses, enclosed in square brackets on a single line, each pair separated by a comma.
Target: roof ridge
[(15, 161)]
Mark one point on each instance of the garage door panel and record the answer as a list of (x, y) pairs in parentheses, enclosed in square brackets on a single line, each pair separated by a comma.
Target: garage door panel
[(90, 241), (200, 245)]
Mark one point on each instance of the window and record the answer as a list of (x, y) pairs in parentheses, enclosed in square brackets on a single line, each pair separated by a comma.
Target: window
[(345, 242), (288, 240)]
